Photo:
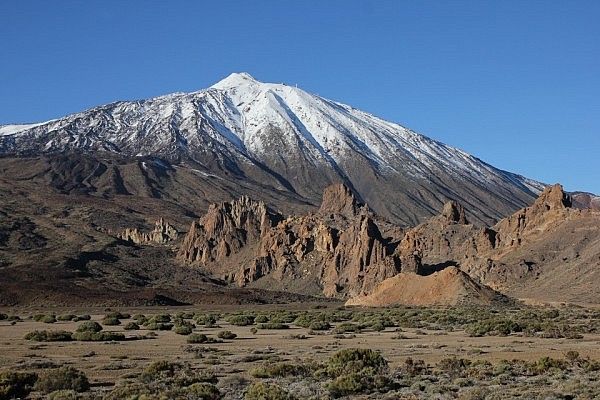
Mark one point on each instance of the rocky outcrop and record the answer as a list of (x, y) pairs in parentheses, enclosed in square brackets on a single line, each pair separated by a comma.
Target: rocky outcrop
[(346, 251), (225, 229), (358, 258), (549, 210), (340, 248), (338, 199), (454, 213), (162, 233)]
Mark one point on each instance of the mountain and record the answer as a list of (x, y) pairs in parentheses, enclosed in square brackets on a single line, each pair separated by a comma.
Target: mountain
[(586, 200), (274, 142)]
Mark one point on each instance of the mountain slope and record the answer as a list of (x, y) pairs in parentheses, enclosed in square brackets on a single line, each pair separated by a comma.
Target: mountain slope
[(281, 139)]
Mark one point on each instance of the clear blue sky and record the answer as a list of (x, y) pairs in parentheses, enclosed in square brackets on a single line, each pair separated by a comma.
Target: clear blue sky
[(516, 83)]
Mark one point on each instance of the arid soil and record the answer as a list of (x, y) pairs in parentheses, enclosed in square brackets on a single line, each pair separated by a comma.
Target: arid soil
[(412, 334)]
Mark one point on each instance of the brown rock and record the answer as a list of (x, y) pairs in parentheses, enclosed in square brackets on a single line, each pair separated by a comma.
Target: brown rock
[(450, 286), (454, 213), (225, 229), (359, 247), (339, 199), (162, 233)]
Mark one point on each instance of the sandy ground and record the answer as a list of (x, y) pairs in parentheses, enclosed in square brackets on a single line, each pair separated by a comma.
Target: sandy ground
[(106, 363)]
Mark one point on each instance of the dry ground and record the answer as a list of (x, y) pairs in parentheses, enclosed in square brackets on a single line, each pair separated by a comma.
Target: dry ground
[(106, 363)]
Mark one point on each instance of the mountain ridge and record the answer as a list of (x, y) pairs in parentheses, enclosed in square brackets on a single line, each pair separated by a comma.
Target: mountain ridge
[(288, 140)]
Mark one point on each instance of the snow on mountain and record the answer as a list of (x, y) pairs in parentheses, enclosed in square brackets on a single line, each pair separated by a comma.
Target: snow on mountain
[(283, 129)]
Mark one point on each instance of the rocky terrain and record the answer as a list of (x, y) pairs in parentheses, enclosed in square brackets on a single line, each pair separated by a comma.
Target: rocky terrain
[(345, 250), (259, 192), (548, 252)]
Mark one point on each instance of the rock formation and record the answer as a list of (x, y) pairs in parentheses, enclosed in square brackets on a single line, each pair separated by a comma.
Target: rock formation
[(345, 251), (338, 199), (225, 229), (541, 246), (548, 211), (162, 233), (340, 248)]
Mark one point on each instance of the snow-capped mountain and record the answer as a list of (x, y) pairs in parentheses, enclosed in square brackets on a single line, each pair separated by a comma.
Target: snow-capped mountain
[(284, 139)]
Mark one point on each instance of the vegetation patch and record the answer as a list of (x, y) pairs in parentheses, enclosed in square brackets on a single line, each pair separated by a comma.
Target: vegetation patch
[(49, 336), (63, 378)]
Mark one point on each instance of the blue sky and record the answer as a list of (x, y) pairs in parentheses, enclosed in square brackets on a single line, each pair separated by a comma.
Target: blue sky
[(516, 83)]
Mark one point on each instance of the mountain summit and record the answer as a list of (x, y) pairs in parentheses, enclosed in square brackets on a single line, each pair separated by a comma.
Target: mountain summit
[(277, 140)]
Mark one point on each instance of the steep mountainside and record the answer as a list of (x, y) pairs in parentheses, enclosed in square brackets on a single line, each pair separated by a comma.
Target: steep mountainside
[(586, 200), (275, 142)]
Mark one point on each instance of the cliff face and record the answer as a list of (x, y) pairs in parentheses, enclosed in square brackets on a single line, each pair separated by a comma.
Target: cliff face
[(339, 248), (225, 229), (344, 250), (546, 251)]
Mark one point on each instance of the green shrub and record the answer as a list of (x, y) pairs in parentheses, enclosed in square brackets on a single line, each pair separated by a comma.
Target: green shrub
[(348, 384), (111, 320), (319, 326), (265, 391), (545, 364), (270, 370), (227, 335), (118, 315), (378, 327), (63, 378), (350, 361), (357, 371), (453, 366), (199, 338), (49, 336), (346, 327), (356, 383), (42, 317), (284, 317), (183, 329), (261, 319), (16, 384), (89, 326), (140, 318), (241, 320), (131, 326), (158, 370), (89, 336), (203, 391), (48, 319), (3, 316), (84, 317), (161, 318), (206, 319), (159, 326), (273, 325)]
